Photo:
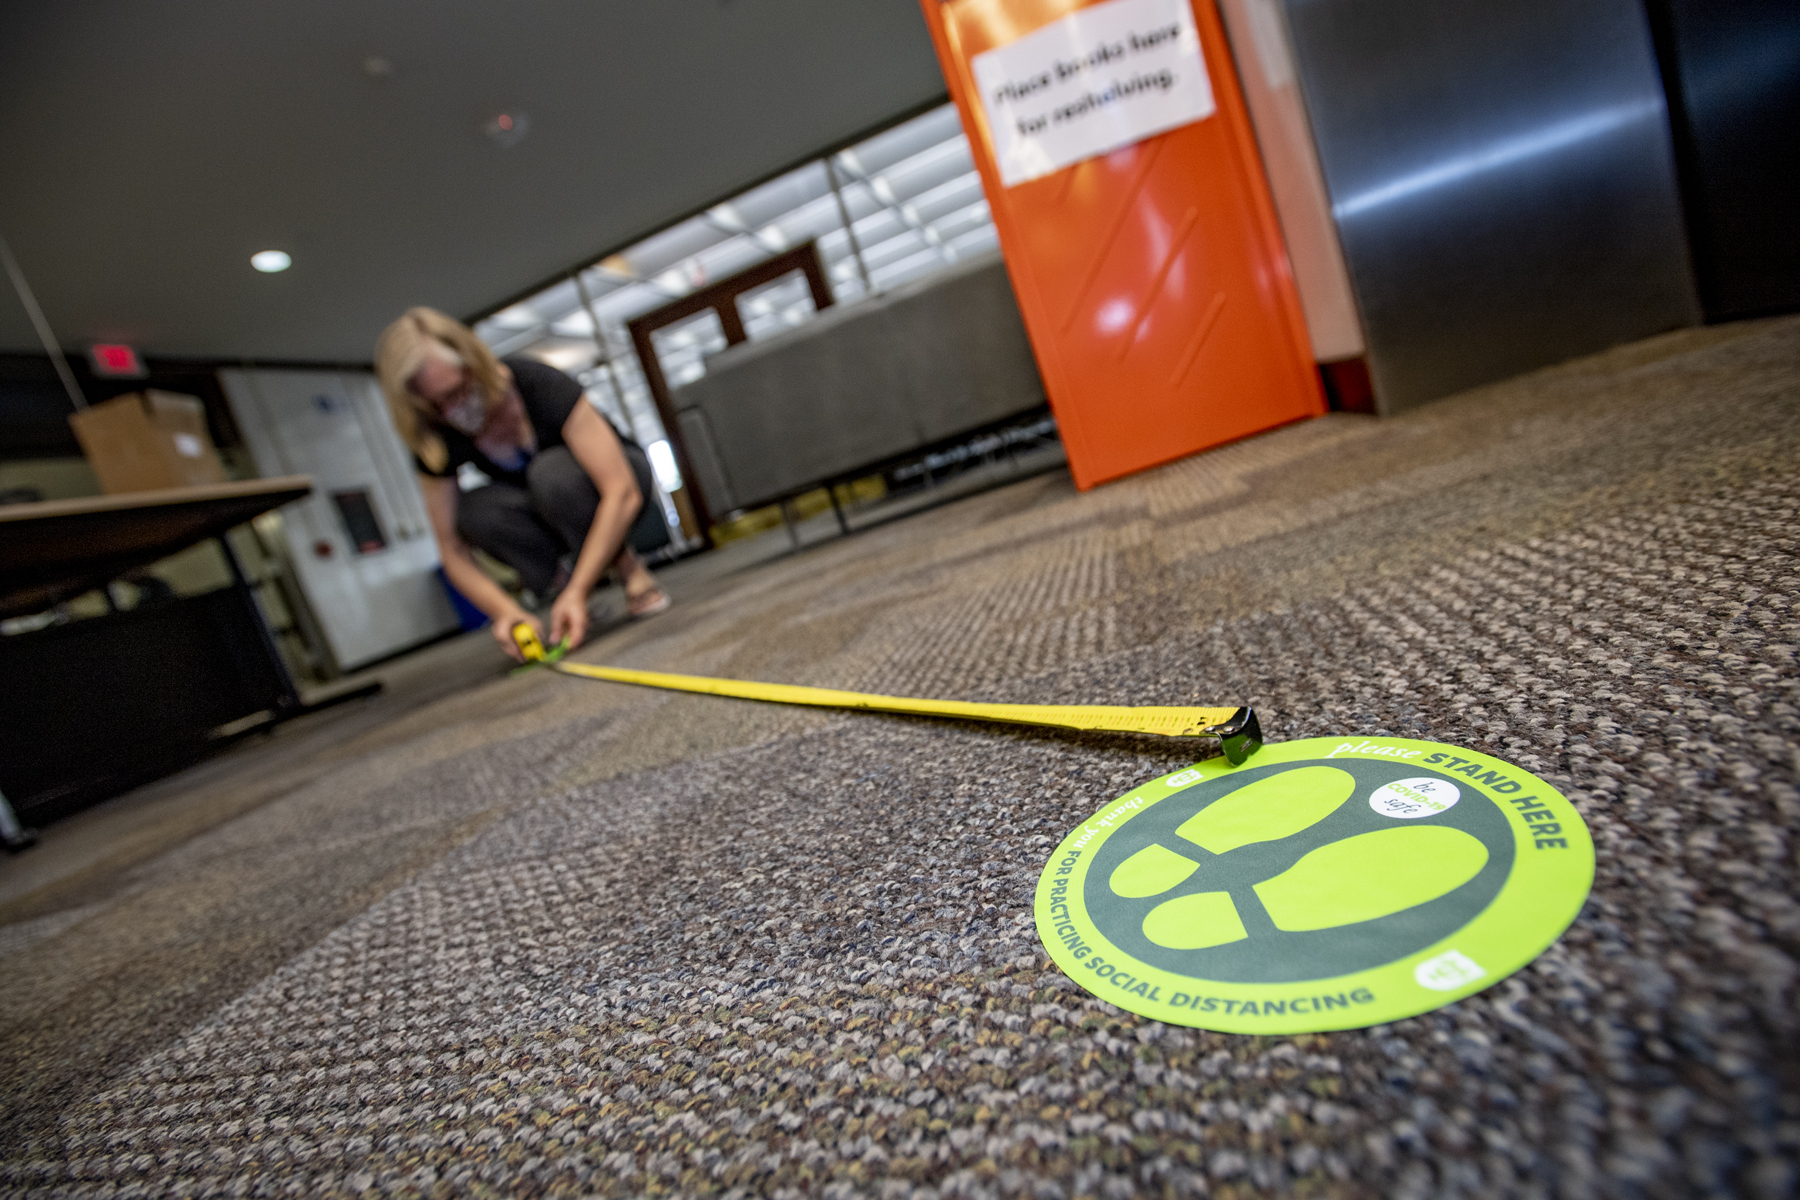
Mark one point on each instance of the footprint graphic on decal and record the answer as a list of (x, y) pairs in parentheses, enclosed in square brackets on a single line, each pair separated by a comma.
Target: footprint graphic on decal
[(1151, 870), (1269, 809), (1195, 922), (1334, 886), (1359, 878)]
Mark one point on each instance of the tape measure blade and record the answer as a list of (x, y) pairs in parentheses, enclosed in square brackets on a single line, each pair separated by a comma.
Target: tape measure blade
[(740, 689), (1163, 721)]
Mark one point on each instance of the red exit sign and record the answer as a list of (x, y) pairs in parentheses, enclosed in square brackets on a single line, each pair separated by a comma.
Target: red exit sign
[(115, 361)]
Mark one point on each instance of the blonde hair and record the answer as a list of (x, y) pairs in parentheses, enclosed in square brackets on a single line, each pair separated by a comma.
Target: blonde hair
[(427, 333)]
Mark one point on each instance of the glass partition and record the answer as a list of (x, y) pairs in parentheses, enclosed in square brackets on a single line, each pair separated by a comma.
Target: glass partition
[(908, 202)]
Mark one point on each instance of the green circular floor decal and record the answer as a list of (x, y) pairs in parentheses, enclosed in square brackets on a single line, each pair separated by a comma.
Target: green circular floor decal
[(1329, 883)]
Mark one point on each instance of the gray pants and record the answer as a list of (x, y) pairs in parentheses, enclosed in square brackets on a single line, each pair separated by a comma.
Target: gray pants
[(530, 528)]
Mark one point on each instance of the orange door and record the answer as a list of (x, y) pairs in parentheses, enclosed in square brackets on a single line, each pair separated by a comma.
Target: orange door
[(1152, 279)]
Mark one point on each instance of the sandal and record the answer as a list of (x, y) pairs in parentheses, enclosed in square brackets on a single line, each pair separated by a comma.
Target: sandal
[(647, 603)]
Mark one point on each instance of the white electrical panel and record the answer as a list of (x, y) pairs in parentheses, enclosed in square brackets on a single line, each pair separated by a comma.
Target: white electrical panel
[(361, 544)]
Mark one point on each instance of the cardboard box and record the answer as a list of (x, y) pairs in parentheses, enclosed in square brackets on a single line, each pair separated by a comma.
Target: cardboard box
[(148, 441)]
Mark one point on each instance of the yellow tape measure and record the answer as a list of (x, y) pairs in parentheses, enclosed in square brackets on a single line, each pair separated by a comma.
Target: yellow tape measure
[(1236, 728)]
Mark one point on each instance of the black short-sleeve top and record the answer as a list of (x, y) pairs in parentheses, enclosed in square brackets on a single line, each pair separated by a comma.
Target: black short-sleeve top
[(549, 397)]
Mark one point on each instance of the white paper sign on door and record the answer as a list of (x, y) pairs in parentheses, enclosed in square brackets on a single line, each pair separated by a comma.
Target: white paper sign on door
[(1100, 78)]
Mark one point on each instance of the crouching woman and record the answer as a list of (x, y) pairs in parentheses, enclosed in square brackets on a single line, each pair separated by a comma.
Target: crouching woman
[(564, 481)]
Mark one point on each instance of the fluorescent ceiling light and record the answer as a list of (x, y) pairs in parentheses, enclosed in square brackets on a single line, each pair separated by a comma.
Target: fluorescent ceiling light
[(565, 358), (516, 317)]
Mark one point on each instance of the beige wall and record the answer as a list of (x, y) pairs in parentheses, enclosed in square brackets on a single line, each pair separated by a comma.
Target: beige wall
[(57, 478)]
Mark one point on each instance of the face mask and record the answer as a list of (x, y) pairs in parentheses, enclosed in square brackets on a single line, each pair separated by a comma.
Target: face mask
[(468, 414)]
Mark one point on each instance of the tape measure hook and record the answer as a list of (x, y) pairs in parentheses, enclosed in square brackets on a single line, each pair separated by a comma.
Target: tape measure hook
[(1240, 737)]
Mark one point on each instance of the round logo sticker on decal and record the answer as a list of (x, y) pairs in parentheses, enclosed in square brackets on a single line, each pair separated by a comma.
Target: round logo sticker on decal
[(1408, 798), (1324, 884)]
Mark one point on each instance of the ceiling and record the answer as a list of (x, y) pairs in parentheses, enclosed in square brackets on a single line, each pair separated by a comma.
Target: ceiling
[(151, 147)]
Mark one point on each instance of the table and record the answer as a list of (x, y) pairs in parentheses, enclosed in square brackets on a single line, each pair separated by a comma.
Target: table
[(55, 550)]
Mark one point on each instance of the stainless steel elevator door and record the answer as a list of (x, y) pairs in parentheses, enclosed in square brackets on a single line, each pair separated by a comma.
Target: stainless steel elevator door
[(1502, 179)]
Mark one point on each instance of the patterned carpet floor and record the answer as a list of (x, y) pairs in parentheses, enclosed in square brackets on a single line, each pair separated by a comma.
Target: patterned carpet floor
[(561, 938)]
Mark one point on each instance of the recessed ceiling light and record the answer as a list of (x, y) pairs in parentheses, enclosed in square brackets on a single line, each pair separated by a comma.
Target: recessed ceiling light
[(271, 260)]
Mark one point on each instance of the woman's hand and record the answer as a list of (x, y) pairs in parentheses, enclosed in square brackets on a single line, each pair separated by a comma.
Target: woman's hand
[(502, 630), (569, 617), (441, 497)]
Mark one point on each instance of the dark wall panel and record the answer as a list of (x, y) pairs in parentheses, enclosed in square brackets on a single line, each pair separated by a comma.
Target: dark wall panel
[(34, 407), (96, 706), (1503, 180), (1733, 74)]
